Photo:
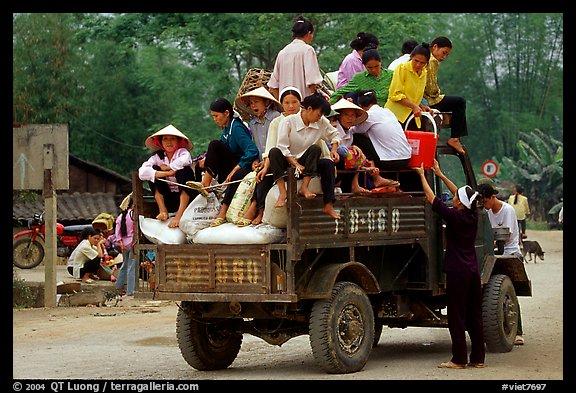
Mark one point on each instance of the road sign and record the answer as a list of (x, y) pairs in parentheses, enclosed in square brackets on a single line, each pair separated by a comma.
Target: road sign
[(489, 168)]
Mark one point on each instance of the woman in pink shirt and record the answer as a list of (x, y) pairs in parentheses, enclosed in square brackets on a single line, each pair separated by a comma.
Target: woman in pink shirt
[(171, 162), (124, 232)]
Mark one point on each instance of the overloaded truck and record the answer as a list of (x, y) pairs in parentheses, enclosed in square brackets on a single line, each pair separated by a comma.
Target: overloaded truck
[(339, 281)]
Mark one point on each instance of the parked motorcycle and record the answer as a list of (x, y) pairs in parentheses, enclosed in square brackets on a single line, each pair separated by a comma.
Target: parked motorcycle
[(28, 245)]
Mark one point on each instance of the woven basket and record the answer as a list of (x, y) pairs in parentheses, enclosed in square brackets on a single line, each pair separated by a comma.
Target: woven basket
[(255, 78)]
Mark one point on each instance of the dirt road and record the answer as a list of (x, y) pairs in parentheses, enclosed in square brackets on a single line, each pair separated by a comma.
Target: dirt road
[(136, 341)]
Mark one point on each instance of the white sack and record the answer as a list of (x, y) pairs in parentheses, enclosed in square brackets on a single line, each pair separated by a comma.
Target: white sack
[(278, 216), (158, 231), (229, 233), (199, 214)]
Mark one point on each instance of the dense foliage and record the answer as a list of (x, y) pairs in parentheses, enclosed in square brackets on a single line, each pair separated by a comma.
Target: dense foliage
[(116, 78)]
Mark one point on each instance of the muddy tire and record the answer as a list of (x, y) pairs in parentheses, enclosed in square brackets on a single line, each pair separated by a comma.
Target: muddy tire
[(27, 254), (499, 314), (207, 345), (342, 329)]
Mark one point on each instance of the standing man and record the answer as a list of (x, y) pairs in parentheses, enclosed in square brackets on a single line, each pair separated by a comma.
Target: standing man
[(502, 214)]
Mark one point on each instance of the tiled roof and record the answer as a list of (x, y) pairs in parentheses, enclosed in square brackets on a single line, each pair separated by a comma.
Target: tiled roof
[(75, 208)]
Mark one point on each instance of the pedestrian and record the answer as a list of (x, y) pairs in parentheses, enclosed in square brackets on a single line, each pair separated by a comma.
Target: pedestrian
[(124, 236), (463, 284), (296, 64), (520, 204), (441, 47), (503, 215)]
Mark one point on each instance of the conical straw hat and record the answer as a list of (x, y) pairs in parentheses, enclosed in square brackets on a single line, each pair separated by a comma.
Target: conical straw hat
[(343, 103), (153, 143)]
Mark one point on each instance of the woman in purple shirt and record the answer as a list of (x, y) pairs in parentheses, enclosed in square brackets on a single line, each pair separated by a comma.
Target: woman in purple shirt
[(352, 63), (463, 285)]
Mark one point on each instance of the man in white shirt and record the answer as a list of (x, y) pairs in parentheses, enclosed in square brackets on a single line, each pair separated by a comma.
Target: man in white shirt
[(502, 214)]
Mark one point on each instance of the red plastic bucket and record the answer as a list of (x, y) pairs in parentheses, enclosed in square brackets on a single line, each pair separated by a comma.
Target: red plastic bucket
[(423, 144)]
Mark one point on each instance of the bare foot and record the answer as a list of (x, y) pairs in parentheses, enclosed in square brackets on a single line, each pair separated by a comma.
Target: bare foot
[(258, 219), (382, 182), (455, 143), (329, 209), (163, 216), (281, 201), (174, 223), (359, 190), (306, 193)]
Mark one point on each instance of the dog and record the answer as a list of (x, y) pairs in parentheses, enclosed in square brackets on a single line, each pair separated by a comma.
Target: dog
[(533, 249)]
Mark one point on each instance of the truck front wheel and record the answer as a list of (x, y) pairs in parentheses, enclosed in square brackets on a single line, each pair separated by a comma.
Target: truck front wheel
[(342, 329), (207, 345), (500, 314)]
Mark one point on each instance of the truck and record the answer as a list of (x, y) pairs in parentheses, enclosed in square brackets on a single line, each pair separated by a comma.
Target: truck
[(339, 281)]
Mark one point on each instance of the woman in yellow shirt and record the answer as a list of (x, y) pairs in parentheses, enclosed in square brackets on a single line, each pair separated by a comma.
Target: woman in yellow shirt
[(407, 86), (520, 204)]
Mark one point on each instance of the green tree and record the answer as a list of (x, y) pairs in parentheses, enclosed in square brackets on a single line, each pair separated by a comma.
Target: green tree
[(540, 170)]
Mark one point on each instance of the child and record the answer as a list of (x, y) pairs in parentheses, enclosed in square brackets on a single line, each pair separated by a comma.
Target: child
[(172, 162), (351, 115), (298, 135), (264, 108)]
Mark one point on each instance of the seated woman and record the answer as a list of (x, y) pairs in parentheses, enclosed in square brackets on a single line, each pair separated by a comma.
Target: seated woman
[(349, 115), (374, 78), (171, 164), (381, 137), (407, 86), (84, 261), (229, 158), (298, 135)]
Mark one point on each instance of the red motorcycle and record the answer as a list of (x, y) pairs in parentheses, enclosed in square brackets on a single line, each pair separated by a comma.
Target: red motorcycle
[(28, 245)]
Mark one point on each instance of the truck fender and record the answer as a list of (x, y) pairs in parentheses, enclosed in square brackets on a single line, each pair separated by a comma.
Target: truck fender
[(324, 278), (511, 266)]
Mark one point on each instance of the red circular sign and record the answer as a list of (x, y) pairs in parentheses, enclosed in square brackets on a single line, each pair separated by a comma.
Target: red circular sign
[(489, 168)]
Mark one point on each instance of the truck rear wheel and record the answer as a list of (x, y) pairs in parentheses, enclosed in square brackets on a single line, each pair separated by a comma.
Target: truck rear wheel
[(207, 345), (500, 314), (342, 329)]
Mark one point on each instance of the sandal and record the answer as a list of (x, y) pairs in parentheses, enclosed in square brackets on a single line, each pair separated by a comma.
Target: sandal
[(476, 365), (217, 222), (450, 364), (196, 185), (243, 222)]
